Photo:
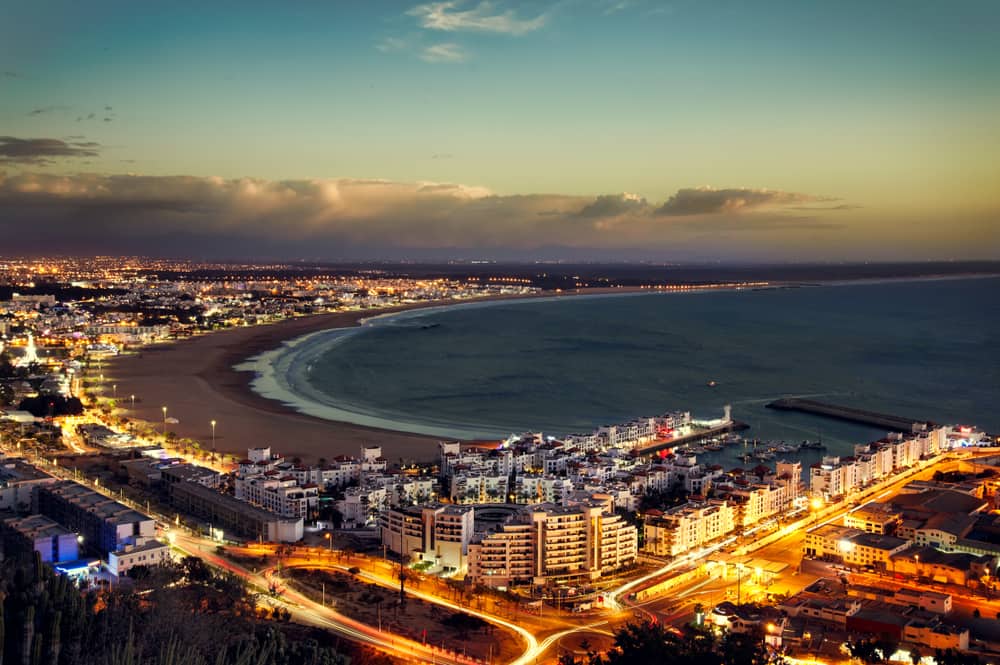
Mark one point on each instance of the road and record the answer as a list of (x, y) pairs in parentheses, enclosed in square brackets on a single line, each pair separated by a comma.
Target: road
[(309, 612), (553, 628)]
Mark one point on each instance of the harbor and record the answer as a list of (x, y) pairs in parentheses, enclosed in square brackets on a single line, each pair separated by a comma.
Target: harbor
[(850, 414), (694, 437)]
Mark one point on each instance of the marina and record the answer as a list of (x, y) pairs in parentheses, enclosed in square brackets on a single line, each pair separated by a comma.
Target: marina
[(699, 435)]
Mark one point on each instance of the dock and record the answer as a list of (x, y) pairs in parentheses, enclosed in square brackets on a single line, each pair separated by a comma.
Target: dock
[(732, 426), (850, 414)]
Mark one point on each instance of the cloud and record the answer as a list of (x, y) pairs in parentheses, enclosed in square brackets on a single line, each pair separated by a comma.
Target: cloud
[(390, 44), (11, 75), (442, 155), (344, 217), (708, 200), (47, 109), (612, 205), (43, 151), (449, 17), (446, 52), (615, 6)]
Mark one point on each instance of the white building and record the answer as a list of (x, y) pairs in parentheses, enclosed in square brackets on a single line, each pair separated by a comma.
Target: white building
[(17, 480), (149, 553), (553, 542), (687, 527), (478, 488), (281, 495), (54, 542), (437, 534)]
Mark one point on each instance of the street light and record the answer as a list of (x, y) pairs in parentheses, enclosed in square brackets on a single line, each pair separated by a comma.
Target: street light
[(114, 390), (329, 539), (132, 397), (164, 421), (213, 436)]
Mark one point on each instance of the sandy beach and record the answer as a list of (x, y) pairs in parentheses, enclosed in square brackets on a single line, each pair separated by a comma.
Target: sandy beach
[(195, 380)]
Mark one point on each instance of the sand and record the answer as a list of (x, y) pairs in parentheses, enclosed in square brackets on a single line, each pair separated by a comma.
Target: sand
[(194, 378)]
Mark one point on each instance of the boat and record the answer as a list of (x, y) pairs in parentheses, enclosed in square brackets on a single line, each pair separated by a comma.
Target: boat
[(812, 445)]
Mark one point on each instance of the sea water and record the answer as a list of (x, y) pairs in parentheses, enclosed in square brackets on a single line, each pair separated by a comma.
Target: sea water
[(922, 349)]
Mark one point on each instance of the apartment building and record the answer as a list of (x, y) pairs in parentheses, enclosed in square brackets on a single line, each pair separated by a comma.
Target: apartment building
[(435, 533), (836, 477), (363, 504), (229, 513), (687, 527), (37, 533), (17, 480), (277, 493), (547, 542), (149, 553), (538, 488), (105, 524), (874, 517)]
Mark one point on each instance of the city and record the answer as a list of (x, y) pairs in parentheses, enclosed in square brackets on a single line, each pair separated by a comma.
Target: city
[(500, 332), (549, 544)]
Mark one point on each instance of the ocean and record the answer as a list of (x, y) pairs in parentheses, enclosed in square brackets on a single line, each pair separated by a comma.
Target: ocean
[(923, 349)]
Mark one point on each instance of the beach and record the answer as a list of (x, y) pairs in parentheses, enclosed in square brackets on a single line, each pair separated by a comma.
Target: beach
[(196, 380)]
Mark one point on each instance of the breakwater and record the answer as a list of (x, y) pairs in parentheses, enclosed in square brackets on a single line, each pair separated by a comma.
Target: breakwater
[(850, 414)]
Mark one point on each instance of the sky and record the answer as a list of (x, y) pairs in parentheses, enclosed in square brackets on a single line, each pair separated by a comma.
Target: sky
[(693, 130)]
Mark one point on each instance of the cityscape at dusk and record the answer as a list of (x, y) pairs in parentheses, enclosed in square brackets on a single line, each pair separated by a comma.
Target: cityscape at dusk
[(500, 332)]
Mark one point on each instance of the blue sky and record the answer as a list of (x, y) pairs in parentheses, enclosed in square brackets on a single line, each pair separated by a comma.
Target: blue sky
[(889, 108)]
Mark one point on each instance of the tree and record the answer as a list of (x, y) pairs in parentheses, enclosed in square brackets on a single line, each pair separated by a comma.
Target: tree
[(651, 642), (872, 650)]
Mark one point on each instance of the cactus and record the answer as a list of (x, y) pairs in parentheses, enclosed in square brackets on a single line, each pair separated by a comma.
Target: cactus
[(36, 650), (27, 634), (38, 569), (3, 626), (53, 639)]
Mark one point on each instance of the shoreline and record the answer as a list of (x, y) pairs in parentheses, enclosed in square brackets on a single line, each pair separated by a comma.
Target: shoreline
[(197, 380)]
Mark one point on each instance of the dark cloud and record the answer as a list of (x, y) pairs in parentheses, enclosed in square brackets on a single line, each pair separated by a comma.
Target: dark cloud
[(708, 200), (612, 205), (35, 151), (442, 155), (47, 109), (170, 215), (842, 206), (107, 108), (11, 75), (107, 120)]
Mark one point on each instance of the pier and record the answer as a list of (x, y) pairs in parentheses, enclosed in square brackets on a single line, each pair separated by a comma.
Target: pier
[(850, 414), (732, 426)]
